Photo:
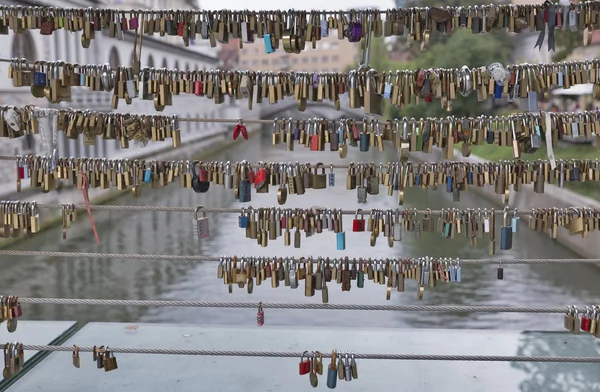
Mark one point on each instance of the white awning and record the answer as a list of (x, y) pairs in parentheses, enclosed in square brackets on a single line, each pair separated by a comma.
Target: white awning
[(578, 89)]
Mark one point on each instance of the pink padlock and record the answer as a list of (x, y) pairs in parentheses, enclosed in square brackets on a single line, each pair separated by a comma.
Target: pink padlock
[(260, 316)]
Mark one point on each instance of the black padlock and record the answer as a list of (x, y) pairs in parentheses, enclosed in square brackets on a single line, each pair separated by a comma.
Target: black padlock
[(489, 137), (171, 27), (506, 233), (500, 273), (574, 175), (200, 183)]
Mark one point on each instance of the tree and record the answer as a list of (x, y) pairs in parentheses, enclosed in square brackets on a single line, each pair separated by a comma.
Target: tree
[(461, 48), (378, 55), (566, 42)]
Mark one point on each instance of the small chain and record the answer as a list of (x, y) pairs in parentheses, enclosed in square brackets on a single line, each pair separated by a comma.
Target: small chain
[(280, 354), (265, 305)]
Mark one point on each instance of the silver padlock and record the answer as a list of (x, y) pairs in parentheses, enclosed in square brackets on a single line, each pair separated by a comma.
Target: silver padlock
[(397, 227), (131, 84), (200, 227), (293, 275), (347, 369), (228, 180)]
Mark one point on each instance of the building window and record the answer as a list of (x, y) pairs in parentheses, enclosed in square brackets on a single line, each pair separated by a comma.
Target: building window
[(335, 58), (23, 47), (165, 64), (254, 62), (265, 61), (325, 59), (113, 58), (315, 59), (150, 62), (305, 60), (294, 60), (275, 62)]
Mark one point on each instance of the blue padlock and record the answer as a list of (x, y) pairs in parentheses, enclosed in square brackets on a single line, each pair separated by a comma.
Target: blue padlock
[(364, 137), (40, 79), (243, 219), (332, 372), (268, 44), (449, 183), (147, 176), (341, 240)]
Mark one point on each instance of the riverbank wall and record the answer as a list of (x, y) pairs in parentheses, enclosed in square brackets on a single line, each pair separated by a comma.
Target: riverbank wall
[(201, 148), (526, 199)]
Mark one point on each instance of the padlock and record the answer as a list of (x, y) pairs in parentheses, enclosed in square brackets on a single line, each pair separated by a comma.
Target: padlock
[(319, 179), (260, 315), (351, 177), (506, 232), (373, 102), (500, 272), (364, 137), (109, 360), (331, 176), (332, 372), (347, 369), (244, 186), (372, 182), (304, 366), (228, 176), (76, 357), (17, 310), (340, 235), (354, 100), (200, 224), (358, 224), (586, 320), (515, 221)]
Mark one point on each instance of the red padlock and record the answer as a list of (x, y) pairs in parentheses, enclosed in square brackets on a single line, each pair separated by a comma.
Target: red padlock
[(203, 174), (261, 177), (17, 310), (260, 315), (240, 128), (251, 176), (313, 135), (358, 224), (304, 367), (586, 320), (198, 88)]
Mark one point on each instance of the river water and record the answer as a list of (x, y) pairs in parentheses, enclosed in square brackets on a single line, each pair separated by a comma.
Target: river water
[(170, 233)]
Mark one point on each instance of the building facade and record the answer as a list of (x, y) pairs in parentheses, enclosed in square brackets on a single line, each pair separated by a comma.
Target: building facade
[(330, 55), (167, 52)]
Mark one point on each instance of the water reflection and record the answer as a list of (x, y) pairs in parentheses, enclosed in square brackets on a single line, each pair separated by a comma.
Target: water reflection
[(545, 377), (163, 233)]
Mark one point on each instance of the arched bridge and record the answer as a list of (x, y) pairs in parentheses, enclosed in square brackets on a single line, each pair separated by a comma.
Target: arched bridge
[(289, 108)]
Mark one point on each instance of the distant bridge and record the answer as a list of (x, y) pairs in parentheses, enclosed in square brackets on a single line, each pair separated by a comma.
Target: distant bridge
[(289, 108)]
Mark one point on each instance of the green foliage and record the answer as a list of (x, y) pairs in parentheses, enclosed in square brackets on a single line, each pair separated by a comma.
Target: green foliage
[(566, 42), (461, 48), (378, 55)]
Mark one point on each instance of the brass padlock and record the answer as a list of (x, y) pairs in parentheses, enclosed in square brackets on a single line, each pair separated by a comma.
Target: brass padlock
[(319, 179)]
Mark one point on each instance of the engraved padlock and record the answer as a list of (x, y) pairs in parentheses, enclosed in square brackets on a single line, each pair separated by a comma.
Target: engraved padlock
[(200, 224)]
